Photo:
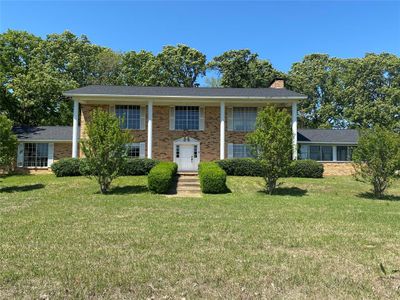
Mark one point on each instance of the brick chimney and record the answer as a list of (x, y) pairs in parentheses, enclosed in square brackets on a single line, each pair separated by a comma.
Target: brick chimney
[(278, 83)]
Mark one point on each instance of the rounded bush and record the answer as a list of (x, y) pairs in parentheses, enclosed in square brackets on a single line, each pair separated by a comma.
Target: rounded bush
[(66, 167), (138, 166), (212, 178), (161, 177), (306, 168), (241, 167)]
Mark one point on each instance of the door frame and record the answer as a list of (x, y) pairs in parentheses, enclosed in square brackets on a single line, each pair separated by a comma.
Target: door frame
[(186, 141)]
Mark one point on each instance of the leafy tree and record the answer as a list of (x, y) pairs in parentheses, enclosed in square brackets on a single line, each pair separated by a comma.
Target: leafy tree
[(377, 158), (179, 66), (107, 68), (8, 143), (243, 69), (213, 82), (271, 142), (104, 148), (342, 93), (138, 68)]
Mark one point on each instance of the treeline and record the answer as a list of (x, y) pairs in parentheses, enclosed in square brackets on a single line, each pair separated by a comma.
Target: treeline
[(342, 93)]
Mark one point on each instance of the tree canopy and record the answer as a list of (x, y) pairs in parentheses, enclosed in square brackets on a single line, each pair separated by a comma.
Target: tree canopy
[(342, 93)]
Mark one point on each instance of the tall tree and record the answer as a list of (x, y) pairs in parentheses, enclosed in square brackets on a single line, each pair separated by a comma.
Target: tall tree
[(8, 143), (179, 66), (243, 69), (138, 68)]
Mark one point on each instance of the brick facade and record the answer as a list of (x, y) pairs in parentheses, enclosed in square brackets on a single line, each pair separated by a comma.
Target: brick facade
[(338, 168)]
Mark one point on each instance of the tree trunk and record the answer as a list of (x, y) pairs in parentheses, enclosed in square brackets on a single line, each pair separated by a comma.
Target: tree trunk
[(271, 185)]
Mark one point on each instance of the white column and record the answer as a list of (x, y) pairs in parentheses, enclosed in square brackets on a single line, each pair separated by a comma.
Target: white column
[(75, 130), (149, 128), (222, 131), (294, 129), (334, 153)]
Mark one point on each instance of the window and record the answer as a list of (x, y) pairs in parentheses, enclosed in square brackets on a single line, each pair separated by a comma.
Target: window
[(129, 116), (187, 117), (244, 118), (241, 151), (133, 150), (35, 155), (344, 153), (195, 151), (321, 153), (177, 151)]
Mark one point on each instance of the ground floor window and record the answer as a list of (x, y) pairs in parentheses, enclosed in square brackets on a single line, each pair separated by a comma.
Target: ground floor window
[(36, 154), (326, 152), (135, 150), (239, 151)]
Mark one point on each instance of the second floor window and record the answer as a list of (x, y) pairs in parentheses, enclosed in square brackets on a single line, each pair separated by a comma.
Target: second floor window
[(244, 118), (129, 116), (187, 117)]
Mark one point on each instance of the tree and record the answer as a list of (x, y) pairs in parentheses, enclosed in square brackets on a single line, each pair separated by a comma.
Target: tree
[(243, 69), (138, 68), (271, 142), (8, 143), (104, 148), (377, 158), (213, 82), (179, 66)]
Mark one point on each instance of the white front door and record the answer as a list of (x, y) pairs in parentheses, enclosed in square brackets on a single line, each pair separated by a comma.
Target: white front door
[(187, 157)]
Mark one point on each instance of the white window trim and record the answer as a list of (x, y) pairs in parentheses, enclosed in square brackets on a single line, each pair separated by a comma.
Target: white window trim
[(306, 146), (21, 155), (142, 149), (231, 150), (142, 114)]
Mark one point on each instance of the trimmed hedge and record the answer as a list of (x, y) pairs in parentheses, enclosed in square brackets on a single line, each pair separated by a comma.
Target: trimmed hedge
[(241, 167), (138, 166), (306, 168), (161, 177), (250, 167), (212, 178), (66, 167)]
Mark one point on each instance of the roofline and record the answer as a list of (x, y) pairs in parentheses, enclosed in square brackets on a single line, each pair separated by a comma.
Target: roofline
[(293, 98), (329, 143)]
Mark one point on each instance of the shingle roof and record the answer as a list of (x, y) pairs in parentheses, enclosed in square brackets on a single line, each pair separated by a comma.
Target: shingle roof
[(340, 136), (183, 91), (43, 133)]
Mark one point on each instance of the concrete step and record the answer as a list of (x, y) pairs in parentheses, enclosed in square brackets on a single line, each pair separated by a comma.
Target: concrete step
[(188, 179), (189, 183), (188, 173), (188, 188)]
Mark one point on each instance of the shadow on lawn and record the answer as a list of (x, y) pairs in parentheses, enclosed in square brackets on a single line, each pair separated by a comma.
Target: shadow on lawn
[(21, 188), (128, 189), (287, 191), (371, 196)]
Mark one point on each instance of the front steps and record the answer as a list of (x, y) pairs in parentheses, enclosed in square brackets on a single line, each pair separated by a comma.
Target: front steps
[(188, 185)]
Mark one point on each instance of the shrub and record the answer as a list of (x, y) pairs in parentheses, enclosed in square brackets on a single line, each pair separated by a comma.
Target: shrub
[(138, 166), (161, 177), (306, 168), (66, 167), (241, 167), (212, 178)]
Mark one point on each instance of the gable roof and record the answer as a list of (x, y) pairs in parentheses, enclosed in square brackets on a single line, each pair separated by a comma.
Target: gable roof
[(338, 136), (113, 90), (43, 133)]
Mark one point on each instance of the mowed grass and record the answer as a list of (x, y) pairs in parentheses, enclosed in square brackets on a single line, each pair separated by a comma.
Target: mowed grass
[(319, 238)]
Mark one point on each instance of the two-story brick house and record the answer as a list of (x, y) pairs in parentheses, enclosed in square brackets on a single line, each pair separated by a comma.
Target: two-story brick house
[(185, 125)]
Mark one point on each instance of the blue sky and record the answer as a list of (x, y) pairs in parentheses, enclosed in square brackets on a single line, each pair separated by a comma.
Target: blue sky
[(282, 32)]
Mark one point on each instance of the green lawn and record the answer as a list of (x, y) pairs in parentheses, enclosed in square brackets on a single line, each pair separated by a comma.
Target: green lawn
[(320, 238)]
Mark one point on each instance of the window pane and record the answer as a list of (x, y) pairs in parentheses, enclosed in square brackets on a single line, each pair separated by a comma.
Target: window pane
[(129, 116), (244, 118), (315, 153), (35, 155), (241, 151), (187, 117), (326, 153), (133, 151), (342, 154)]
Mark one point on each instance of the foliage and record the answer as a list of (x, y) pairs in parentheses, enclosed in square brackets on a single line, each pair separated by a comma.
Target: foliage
[(243, 69), (355, 92), (104, 147), (377, 158), (306, 168), (66, 167), (161, 177), (8, 143), (212, 178), (241, 167), (138, 166), (271, 142)]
